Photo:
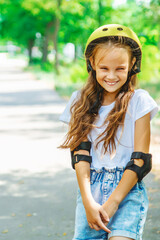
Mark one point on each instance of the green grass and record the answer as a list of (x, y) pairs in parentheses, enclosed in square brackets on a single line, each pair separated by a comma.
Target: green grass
[(153, 88), (70, 77)]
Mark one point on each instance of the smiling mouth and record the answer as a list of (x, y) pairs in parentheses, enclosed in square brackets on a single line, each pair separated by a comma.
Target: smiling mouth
[(111, 83)]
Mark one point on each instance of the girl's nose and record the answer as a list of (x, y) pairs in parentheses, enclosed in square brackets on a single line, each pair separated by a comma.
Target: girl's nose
[(111, 75)]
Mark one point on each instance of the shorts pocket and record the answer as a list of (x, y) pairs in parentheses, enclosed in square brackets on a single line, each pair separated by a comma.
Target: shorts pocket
[(92, 177), (79, 198), (136, 187)]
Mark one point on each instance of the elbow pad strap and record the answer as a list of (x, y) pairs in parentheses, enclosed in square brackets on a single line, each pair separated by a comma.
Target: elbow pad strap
[(78, 157), (145, 169), (82, 146)]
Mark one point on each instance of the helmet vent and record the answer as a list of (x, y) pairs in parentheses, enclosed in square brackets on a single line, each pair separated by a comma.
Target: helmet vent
[(120, 29), (104, 29)]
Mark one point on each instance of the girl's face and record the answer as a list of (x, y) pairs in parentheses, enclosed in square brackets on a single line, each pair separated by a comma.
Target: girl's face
[(111, 66)]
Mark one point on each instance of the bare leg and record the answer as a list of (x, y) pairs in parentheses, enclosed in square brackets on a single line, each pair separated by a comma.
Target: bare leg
[(120, 238)]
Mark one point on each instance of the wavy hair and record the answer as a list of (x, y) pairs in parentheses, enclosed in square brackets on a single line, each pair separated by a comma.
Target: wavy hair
[(84, 111)]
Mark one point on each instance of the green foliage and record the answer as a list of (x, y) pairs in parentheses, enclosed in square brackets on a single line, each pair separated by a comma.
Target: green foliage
[(153, 88), (18, 25), (47, 66), (21, 20), (78, 72), (150, 64), (44, 66), (71, 78), (65, 91)]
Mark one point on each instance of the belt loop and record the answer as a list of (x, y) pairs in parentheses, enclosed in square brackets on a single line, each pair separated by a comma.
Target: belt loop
[(118, 175)]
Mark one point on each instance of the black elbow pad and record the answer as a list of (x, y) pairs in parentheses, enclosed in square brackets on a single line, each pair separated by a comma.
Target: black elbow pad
[(79, 157), (76, 158), (145, 169)]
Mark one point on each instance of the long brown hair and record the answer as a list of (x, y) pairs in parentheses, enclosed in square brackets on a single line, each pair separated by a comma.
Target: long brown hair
[(84, 111)]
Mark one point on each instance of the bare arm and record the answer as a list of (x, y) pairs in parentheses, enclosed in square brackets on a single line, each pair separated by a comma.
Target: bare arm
[(94, 211), (129, 178), (83, 177)]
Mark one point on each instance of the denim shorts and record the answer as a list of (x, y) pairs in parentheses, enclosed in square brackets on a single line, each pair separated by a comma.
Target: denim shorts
[(129, 219)]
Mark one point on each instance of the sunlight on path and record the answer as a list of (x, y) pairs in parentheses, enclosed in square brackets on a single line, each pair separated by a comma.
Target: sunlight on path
[(29, 127)]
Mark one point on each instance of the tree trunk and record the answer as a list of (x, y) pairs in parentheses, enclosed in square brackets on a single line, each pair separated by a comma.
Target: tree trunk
[(30, 46), (45, 49), (75, 55), (55, 34), (45, 42)]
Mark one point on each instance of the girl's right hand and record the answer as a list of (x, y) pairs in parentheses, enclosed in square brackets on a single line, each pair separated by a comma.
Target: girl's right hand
[(97, 217)]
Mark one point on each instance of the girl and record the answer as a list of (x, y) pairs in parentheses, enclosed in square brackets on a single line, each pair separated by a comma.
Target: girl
[(114, 118)]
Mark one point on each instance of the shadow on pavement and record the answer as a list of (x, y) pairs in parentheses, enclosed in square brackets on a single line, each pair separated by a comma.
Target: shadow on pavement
[(152, 226), (30, 98), (27, 199)]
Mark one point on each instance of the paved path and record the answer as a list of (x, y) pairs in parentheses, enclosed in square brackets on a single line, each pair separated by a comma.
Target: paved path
[(38, 186)]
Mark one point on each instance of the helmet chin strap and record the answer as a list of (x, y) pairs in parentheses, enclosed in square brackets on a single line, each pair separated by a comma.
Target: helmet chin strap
[(89, 67), (124, 88), (133, 71)]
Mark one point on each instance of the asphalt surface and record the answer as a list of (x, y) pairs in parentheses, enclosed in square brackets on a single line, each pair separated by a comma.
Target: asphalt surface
[(38, 186)]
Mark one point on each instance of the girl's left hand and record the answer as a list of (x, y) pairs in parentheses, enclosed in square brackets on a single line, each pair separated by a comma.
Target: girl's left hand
[(110, 207), (96, 216)]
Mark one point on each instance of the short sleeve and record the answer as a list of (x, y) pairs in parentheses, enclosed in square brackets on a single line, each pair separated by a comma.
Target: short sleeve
[(66, 115), (144, 104)]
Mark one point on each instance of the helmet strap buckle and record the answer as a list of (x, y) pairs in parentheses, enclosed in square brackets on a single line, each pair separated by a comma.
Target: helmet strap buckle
[(89, 67)]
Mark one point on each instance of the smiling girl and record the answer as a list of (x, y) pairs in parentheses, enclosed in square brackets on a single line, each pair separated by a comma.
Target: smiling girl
[(109, 137)]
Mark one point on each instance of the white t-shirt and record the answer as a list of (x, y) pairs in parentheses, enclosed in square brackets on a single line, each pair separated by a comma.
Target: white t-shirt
[(140, 104)]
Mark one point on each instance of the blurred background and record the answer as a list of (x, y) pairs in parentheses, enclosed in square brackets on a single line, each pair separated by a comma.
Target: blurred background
[(51, 35), (41, 63)]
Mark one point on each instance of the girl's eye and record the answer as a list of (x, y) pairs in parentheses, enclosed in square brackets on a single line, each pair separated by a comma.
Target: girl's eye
[(120, 68), (117, 68)]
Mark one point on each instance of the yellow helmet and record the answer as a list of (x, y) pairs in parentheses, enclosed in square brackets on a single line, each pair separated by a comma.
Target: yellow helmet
[(101, 34)]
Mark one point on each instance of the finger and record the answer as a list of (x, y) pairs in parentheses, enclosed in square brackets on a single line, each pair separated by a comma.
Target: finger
[(90, 225), (96, 227), (102, 226), (104, 220), (104, 215)]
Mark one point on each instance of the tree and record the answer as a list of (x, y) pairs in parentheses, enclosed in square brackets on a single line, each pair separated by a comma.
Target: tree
[(21, 28), (48, 14)]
